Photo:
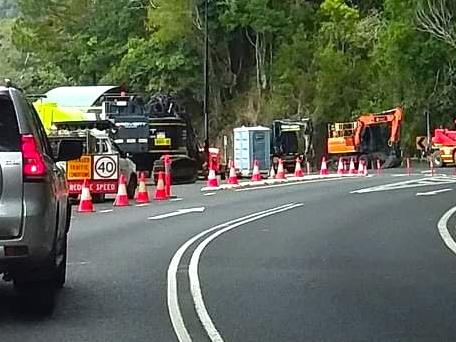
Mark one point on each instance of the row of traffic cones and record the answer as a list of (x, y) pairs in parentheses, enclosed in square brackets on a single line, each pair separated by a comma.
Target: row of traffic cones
[(212, 181), (121, 200)]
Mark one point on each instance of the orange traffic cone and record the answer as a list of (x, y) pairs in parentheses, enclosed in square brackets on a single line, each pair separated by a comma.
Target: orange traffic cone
[(298, 169), (324, 168), (352, 169), (256, 175), (233, 180), (122, 197), (143, 195), (85, 203), (160, 191), (272, 173), (280, 171), (212, 181), (340, 167)]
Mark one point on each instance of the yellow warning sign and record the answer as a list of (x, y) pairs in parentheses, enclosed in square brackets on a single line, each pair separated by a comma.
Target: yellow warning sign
[(80, 168)]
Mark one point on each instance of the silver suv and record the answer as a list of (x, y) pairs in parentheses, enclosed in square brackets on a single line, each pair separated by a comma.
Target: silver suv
[(34, 206)]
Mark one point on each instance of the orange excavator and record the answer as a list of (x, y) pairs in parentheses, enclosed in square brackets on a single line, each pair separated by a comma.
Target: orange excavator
[(373, 136)]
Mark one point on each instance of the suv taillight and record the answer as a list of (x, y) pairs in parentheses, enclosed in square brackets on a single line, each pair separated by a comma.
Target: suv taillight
[(33, 162)]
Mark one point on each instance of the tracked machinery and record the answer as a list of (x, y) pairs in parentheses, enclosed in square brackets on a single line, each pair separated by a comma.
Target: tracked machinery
[(171, 133), (372, 137)]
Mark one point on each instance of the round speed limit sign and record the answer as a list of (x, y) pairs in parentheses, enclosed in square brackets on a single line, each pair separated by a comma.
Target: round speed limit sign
[(105, 167)]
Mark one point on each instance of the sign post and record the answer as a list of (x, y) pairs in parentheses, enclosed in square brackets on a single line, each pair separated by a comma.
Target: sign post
[(168, 176)]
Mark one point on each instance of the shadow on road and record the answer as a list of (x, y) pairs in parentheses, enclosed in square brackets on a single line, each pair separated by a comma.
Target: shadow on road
[(36, 305)]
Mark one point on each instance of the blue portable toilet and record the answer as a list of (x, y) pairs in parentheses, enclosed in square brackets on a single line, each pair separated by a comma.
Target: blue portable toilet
[(250, 144)]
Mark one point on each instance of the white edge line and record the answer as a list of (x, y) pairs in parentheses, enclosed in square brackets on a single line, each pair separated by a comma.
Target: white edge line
[(195, 287), (172, 298), (443, 229)]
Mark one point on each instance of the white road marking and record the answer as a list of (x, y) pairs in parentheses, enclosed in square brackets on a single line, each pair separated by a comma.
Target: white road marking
[(443, 230), (433, 193), (142, 205), (106, 211), (210, 194), (178, 213), (174, 311), (414, 183), (176, 199), (195, 286), (294, 183)]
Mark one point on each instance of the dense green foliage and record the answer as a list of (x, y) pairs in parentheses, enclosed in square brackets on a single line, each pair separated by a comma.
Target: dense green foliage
[(328, 59)]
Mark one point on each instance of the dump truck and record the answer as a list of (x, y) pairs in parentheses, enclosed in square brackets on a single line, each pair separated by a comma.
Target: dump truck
[(372, 137)]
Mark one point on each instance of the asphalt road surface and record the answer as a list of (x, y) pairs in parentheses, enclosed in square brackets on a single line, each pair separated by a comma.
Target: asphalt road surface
[(364, 259)]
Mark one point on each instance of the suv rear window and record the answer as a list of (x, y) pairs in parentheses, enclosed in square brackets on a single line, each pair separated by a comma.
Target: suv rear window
[(9, 130)]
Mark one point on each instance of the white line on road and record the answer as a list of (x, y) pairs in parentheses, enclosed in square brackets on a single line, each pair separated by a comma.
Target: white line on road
[(433, 193), (176, 199), (210, 194), (106, 211), (142, 205), (293, 183), (195, 286), (178, 213), (443, 230), (414, 183), (174, 311)]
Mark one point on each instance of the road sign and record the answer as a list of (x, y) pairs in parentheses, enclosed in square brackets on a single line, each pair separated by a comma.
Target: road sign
[(80, 168), (105, 167), (422, 143)]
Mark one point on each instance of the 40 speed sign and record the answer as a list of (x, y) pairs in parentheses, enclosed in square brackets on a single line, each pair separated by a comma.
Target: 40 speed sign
[(105, 167)]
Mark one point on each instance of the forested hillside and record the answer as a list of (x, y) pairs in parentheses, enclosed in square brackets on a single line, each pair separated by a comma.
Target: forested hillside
[(268, 58)]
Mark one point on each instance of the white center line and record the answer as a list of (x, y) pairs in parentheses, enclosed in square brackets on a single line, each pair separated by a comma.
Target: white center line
[(195, 286), (443, 230), (174, 311)]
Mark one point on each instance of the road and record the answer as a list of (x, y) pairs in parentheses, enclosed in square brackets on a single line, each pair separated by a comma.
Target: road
[(336, 260)]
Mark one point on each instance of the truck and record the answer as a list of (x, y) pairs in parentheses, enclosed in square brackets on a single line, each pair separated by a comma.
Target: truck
[(130, 131), (443, 147), (292, 139), (102, 161), (372, 137)]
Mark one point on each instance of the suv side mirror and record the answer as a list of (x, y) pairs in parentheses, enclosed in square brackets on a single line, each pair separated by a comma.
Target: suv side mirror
[(69, 150)]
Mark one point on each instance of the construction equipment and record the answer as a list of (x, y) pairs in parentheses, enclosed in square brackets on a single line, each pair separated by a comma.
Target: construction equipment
[(172, 133), (131, 126), (371, 137), (443, 147), (292, 139)]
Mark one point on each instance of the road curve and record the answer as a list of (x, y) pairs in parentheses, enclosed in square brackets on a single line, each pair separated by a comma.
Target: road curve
[(339, 266)]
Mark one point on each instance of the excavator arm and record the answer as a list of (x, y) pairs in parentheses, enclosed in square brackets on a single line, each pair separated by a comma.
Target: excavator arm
[(393, 117)]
